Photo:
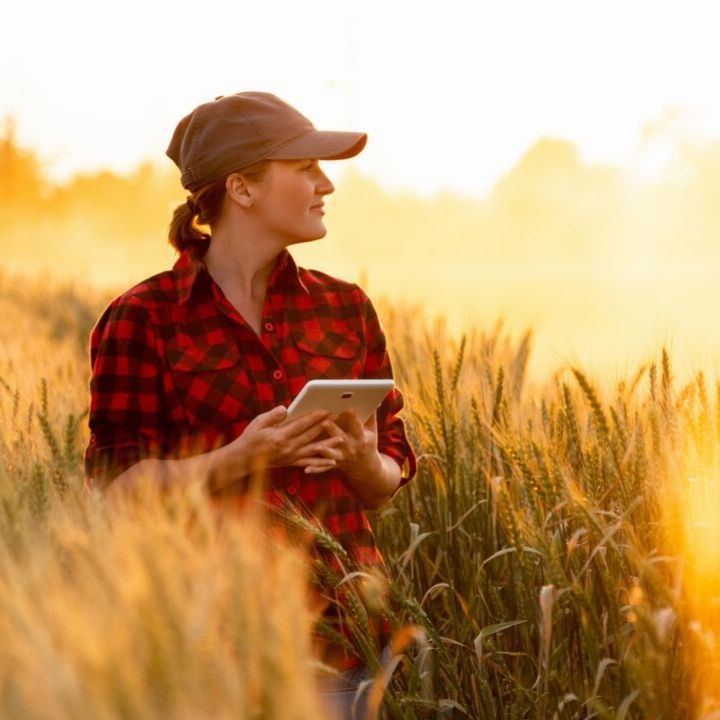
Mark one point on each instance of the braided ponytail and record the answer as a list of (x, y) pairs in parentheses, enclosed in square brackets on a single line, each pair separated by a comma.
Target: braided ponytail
[(189, 225), (184, 233)]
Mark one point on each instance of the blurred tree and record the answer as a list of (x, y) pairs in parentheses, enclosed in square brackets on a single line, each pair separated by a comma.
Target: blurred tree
[(553, 207), (23, 187)]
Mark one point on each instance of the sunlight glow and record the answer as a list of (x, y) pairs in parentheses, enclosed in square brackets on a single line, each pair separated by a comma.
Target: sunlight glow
[(699, 544), (450, 99), (516, 167)]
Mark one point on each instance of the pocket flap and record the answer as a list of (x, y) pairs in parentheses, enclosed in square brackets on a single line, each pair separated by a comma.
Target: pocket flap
[(194, 357), (331, 344)]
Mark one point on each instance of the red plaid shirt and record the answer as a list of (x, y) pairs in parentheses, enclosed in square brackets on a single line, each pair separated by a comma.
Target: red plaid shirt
[(176, 371)]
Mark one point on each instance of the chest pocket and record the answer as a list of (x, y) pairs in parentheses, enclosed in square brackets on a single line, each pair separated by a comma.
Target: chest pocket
[(211, 382), (330, 354)]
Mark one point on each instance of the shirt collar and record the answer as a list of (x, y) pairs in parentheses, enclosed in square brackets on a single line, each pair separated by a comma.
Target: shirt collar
[(189, 268)]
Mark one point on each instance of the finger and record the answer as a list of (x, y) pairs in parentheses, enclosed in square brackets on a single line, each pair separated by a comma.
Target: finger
[(271, 417), (333, 453), (332, 429), (371, 423), (303, 422), (302, 430), (317, 469), (354, 425), (315, 462), (297, 443), (330, 443), (324, 448)]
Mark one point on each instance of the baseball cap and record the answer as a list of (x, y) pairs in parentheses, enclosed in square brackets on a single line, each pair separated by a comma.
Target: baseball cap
[(236, 131)]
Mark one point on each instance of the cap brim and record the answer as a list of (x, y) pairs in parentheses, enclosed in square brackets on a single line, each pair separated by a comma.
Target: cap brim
[(321, 145)]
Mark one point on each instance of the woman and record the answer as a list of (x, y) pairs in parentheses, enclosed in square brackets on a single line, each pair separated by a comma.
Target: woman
[(193, 368)]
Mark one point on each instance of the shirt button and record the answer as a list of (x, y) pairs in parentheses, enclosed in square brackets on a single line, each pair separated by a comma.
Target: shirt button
[(269, 326), (292, 489), (277, 375)]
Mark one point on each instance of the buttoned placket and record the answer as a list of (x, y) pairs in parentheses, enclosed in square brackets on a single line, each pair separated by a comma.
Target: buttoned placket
[(270, 342)]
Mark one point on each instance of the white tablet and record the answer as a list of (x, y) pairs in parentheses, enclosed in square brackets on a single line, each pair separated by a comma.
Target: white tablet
[(363, 396)]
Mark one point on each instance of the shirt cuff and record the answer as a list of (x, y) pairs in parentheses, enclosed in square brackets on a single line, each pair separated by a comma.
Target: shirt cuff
[(104, 462), (404, 457)]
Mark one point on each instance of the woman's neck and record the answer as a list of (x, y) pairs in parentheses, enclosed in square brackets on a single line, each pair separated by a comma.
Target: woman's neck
[(241, 265)]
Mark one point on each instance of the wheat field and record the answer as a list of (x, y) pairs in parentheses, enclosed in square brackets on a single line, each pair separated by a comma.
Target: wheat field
[(557, 555)]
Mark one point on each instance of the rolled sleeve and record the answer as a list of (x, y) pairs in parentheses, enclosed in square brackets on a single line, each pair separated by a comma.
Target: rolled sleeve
[(124, 392), (392, 438)]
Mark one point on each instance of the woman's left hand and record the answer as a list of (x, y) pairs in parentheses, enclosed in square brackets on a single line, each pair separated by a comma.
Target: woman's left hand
[(356, 452), (373, 476)]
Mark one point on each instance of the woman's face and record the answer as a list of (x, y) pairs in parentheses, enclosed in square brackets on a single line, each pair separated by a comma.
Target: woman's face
[(289, 200)]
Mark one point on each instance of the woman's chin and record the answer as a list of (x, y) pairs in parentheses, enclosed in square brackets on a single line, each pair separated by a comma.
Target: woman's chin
[(320, 233)]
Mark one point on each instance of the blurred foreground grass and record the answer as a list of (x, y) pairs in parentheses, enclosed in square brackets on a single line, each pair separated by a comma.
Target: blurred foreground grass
[(558, 555)]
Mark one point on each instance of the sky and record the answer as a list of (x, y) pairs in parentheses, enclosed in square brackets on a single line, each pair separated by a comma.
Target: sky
[(452, 94)]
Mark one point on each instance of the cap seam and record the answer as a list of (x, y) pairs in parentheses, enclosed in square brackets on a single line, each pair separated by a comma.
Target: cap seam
[(258, 134)]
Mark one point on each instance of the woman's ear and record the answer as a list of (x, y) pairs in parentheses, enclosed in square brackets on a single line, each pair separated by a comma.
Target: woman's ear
[(239, 190)]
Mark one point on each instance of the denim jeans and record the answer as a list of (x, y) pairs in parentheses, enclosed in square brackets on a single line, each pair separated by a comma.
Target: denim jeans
[(346, 695)]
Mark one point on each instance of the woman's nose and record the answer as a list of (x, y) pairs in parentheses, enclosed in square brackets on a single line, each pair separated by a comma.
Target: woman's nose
[(325, 186)]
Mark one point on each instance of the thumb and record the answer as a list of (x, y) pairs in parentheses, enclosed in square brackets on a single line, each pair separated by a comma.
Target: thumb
[(355, 424), (272, 417)]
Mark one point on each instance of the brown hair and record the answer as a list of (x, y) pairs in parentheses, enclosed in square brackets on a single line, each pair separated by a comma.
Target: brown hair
[(191, 229)]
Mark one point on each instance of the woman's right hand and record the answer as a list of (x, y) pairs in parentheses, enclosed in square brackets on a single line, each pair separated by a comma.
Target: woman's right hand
[(266, 442)]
